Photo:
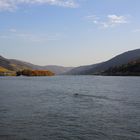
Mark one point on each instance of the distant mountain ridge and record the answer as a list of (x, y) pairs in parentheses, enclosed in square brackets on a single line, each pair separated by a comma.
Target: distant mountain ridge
[(99, 68), (118, 60), (16, 65)]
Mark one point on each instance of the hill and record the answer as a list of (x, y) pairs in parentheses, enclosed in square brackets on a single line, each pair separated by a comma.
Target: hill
[(131, 68), (10, 65), (55, 69), (17, 65), (82, 70), (118, 60), (5, 64)]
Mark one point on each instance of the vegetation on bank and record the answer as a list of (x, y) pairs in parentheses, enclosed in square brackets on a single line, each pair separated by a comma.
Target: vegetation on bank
[(26, 73), (17, 68), (130, 69), (2, 69), (6, 72), (35, 73)]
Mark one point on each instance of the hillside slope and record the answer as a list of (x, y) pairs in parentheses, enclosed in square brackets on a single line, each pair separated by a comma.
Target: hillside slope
[(119, 60), (5, 64), (55, 69), (16, 65), (132, 68)]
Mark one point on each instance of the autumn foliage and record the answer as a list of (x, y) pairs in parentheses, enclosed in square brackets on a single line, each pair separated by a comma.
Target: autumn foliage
[(35, 73)]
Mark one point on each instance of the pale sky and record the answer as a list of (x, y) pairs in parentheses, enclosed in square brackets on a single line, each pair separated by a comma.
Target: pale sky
[(68, 32)]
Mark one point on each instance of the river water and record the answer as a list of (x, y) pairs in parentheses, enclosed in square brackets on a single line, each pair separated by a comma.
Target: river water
[(70, 108)]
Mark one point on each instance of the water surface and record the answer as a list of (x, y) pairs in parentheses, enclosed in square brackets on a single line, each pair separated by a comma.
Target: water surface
[(70, 108)]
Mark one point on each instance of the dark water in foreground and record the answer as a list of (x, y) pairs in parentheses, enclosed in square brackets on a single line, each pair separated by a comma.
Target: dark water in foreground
[(45, 108)]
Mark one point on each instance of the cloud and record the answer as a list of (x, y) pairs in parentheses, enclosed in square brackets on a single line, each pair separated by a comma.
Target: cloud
[(6, 5), (11, 5), (114, 19), (109, 21)]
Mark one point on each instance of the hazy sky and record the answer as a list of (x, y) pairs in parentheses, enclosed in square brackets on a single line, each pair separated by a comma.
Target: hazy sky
[(68, 32)]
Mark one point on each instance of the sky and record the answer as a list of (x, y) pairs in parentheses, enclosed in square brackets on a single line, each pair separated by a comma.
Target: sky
[(68, 32)]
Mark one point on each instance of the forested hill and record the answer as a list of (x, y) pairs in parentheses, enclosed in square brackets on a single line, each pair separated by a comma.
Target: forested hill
[(132, 69), (118, 60)]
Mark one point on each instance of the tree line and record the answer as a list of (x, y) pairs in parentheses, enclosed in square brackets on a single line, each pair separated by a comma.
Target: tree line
[(132, 68), (35, 73)]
